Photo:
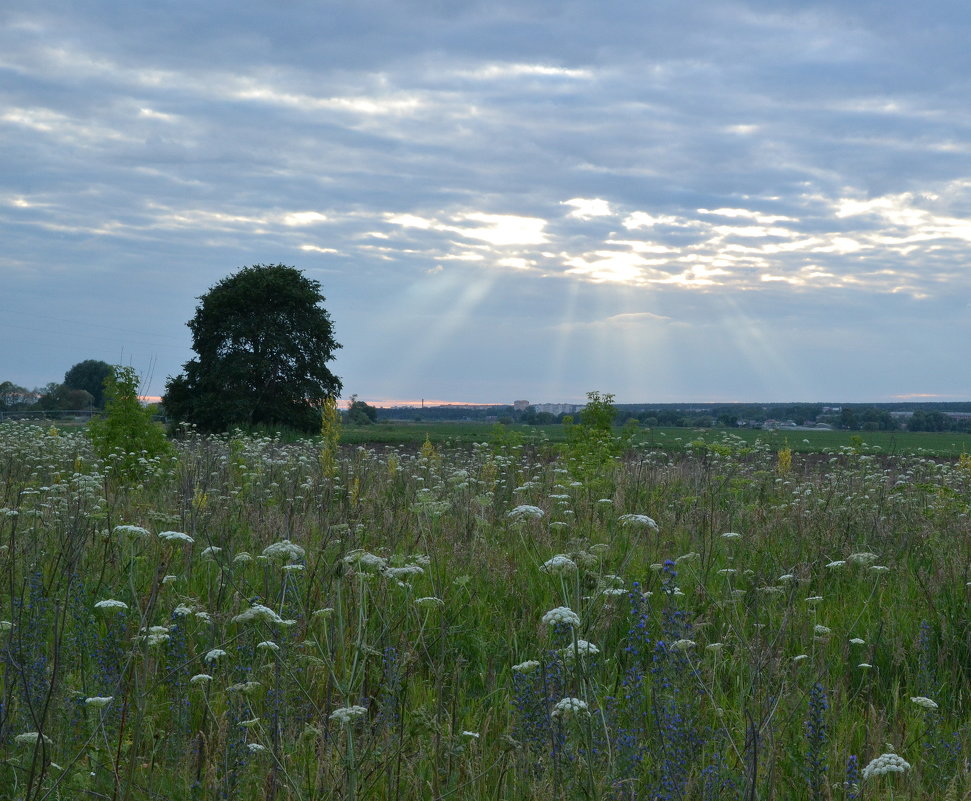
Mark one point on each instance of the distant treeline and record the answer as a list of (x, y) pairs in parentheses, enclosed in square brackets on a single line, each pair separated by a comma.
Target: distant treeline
[(847, 416)]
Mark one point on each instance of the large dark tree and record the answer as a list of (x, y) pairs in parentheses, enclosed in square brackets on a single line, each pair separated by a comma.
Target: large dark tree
[(90, 376), (263, 342)]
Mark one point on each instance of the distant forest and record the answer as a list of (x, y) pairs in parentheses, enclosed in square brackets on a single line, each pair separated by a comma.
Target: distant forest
[(847, 416)]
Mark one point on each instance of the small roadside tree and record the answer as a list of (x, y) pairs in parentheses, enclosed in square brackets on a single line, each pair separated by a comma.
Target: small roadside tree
[(126, 428), (263, 341)]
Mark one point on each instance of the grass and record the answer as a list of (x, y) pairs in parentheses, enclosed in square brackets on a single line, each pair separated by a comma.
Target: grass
[(374, 628), (950, 444)]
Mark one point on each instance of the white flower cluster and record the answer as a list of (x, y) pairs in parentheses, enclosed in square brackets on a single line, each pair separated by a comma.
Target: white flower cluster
[(284, 549), (926, 703), (365, 561), (884, 764), (99, 701), (526, 511), (569, 706), (131, 531), (263, 614), (175, 536), (214, 654), (731, 535), (347, 714), (642, 521), (562, 614), (863, 558), (682, 645), (111, 603), (580, 648), (526, 667), (31, 737), (559, 564)]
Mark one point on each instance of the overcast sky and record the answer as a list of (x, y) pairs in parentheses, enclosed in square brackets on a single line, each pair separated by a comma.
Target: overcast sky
[(707, 200)]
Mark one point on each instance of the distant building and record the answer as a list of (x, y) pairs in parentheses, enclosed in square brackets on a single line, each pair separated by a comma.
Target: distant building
[(520, 405), (556, 408)]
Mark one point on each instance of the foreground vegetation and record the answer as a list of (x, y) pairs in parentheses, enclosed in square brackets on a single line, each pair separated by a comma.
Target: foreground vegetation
[(244, 618)]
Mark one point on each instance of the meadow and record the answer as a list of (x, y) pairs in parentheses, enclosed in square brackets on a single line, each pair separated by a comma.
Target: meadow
[(947, 443), (248, 618)]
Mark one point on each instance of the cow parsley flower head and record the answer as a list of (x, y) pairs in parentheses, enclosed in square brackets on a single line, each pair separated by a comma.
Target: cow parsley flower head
[(638, 521), (255, 748), (559, 564), (111, 603), (365, 561), (261, 613), (923, 702), (884, 764), (525, 512), (822, 631), (682, 645), (562, 614), (31, 738), (580, 648), (863, 558), (731, 535), (284, 550), (267, 645), (568, 707), (836, 564), (182, 611), (175, 536), (429, 602), (348, 714), (131, 531), (526, 667), (214, 654), (99, 701), (200, 678)]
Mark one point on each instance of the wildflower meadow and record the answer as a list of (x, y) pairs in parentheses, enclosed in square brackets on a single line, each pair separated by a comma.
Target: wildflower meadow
[(243, 618)]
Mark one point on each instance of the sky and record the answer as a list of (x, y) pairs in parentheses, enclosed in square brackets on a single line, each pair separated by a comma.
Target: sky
[(526, 199)]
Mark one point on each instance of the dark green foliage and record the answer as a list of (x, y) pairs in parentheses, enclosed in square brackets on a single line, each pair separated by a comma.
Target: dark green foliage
[(360, 413), (126, 428), (90, 376), (263, 342)]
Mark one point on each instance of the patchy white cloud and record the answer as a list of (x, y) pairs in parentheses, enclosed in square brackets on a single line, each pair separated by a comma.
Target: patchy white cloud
[(503, 167)]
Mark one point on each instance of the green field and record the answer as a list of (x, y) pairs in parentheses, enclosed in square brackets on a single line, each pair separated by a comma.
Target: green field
[(889, 442), (246, 618)]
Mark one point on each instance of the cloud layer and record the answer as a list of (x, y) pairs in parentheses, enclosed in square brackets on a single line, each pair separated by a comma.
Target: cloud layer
[(719, 200)]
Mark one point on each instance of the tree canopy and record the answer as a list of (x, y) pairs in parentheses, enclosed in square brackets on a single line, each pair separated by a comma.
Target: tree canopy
[(263, 341), (90, 376)]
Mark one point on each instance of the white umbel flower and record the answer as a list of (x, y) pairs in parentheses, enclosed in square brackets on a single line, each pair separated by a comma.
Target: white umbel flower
[(559, 564), (526, 667), (926, 703), (525, 511), (638, 521), (284, 549), (569, 706), (348, 714), (111, 603), (99, 701), (580, 648), (562, 614), (176, 536), (884, 764)]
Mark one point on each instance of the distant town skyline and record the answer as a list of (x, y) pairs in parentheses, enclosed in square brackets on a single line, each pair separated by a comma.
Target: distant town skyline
[(726, 200)]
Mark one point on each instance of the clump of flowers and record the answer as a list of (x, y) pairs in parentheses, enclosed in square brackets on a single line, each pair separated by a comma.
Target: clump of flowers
[(526, 667), (638, 521), (365, 561), (568, 707), (525, 512), (559, 564), (175, 536), (562, 614), (580, 648), (261, 613), (284, 549), (884, 764), (348, 714), (111, 603), (925, 703)]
